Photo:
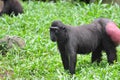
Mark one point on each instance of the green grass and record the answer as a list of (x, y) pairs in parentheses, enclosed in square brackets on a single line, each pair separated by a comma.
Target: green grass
[(40, 59)]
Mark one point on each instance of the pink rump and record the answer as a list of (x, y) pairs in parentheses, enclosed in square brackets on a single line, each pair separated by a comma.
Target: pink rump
[(113, 31)]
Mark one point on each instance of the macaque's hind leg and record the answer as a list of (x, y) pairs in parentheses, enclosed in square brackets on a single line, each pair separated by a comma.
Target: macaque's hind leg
[(111, 55), (110, 50), (96, 55)]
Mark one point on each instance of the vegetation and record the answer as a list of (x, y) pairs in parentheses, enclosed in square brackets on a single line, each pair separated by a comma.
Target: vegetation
[(40, 60)]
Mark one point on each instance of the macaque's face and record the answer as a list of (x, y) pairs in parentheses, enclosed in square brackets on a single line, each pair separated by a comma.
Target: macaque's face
[(57, 31)]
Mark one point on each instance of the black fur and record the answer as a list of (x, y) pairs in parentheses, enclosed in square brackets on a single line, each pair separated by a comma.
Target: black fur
[(11, 7), (82, 39), (86, 1)]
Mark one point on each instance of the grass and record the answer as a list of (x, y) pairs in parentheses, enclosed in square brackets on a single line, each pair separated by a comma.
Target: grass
[(40, 60)]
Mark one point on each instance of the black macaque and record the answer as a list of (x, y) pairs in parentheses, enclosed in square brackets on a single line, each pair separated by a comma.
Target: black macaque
[(11, 7), (83, 39)]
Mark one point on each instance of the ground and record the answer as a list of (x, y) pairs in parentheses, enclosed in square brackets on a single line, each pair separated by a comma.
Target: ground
[(40, 59)]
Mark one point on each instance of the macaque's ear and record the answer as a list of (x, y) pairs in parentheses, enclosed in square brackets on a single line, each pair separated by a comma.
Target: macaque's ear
[(64, 29)]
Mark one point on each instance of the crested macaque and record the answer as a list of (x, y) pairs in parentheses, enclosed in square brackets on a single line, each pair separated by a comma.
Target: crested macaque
[(9, 42), (11, 7), (100, 35)]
